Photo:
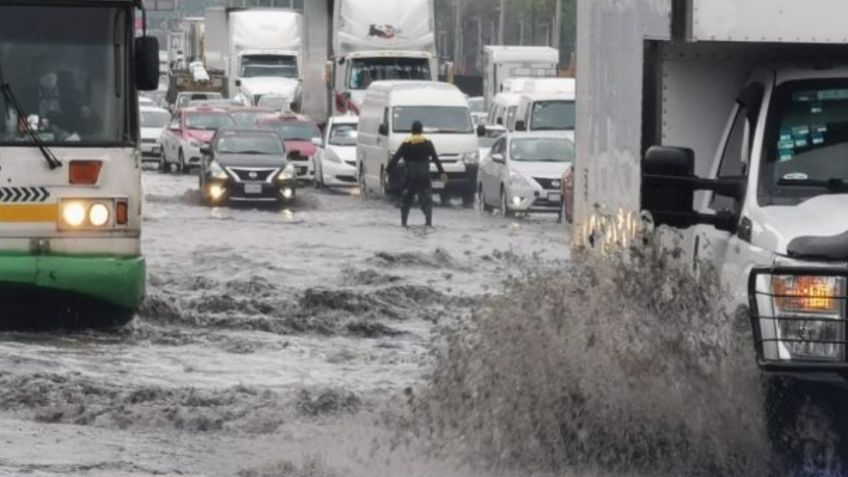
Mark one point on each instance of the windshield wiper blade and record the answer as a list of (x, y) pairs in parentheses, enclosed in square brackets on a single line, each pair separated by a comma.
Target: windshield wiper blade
[(835, 184), (9, 95)]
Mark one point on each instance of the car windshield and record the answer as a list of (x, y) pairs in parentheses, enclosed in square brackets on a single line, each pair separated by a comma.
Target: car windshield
[(548, 149), (807, 140), (343, 135), (66, 82), (208, 121), (296, 130), (254, 66), (436, 119), (552, 116), (185, 99), (154, 119), (364, 71), (248, 118), (240, 143)]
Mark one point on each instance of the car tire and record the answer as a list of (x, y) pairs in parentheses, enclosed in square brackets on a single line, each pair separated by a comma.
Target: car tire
[(181, 165), (363, 187), (481, 201), (505, 206), (163, 164)]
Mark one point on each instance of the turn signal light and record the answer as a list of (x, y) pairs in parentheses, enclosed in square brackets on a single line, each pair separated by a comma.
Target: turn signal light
[(84, 172), (808, 293), (121, 209)]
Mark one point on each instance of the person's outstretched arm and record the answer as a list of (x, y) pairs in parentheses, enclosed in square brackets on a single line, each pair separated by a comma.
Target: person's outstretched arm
[(394, 160)]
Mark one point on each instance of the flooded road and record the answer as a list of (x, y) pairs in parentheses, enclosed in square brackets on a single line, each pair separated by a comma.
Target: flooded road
[(271, 342)]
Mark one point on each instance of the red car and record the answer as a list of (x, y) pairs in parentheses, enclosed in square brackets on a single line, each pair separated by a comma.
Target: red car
[(189, 129), (301, 135)]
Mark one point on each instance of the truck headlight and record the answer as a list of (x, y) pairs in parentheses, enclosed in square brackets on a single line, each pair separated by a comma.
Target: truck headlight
[(217, 172), (471, 157), (810, 315), (288, 173)]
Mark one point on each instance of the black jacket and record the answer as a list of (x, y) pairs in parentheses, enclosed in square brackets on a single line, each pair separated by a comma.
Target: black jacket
[(416, 149)]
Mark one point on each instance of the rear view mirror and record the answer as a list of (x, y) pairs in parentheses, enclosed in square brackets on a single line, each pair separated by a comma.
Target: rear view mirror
[(520, 125), (147, 63), (317, 141), (383, 130), (498, 157), (481, 130)]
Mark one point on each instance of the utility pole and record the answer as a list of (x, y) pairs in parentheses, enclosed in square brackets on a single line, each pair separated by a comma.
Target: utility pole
[(457, 35), (501, 23), (556, 37)]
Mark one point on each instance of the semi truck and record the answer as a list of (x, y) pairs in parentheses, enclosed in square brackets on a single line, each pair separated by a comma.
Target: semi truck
[(727, 120), (70, 200), (375, 40), (260, 51), (503, 63)]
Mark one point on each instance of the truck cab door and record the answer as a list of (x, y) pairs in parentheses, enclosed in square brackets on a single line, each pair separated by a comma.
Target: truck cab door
[(725, 250)]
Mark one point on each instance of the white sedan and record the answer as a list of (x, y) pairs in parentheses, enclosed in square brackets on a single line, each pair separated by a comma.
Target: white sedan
[(335, 166), (153, 122), (523, 173)]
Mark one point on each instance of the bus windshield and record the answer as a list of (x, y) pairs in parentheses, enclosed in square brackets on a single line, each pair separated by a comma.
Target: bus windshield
[(62, 66)]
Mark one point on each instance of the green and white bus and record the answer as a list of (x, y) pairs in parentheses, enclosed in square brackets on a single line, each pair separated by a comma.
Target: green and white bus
[(70, 167)]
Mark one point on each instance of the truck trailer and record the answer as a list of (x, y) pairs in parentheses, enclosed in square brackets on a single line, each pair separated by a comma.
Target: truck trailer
[(503, 63), (260, 51), (374, 40), (728, 121)]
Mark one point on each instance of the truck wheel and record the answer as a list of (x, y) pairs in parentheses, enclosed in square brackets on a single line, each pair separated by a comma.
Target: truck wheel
[(505, 206)]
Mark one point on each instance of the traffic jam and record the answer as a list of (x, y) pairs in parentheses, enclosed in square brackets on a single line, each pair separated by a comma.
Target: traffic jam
[(460, 238)]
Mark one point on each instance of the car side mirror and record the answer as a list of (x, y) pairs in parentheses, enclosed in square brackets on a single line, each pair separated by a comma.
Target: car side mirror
[(498, 157), (238, 83), (317, 141), (520, 125), (174, 127), (383, 130), (481, 130), (206, 149), (147, 63), (668, 190)]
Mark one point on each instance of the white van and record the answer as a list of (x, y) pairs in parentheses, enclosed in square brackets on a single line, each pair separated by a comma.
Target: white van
[(503, 110), (546, 112), (385, 121)]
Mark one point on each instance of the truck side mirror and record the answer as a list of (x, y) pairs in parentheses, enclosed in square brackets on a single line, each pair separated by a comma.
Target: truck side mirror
[(238, 83), (147, 63), (383, 130), (668, 190), (520, 125)]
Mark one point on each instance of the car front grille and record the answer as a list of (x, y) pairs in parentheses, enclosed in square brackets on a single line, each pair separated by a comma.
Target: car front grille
[(548, 184), (252, 174)]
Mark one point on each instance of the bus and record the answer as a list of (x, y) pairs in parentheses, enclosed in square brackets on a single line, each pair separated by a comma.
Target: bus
[(70, 165)]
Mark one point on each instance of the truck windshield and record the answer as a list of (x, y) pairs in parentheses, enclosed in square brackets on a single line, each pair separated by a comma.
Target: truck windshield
[(552, 116), (254, 66), (364, 71), (436, 119), (67, 67), (807, 141)]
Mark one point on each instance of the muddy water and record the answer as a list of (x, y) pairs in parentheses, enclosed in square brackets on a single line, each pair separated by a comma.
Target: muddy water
[(272, 342)]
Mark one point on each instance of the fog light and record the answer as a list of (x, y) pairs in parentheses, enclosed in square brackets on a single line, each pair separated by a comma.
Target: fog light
[(74, 214), (216, 191), (287, 193), (98, 215), (516, 201)]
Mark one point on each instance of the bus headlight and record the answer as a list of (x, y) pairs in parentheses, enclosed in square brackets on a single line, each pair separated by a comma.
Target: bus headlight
[(88, 214), (98, 215), (73, 213)]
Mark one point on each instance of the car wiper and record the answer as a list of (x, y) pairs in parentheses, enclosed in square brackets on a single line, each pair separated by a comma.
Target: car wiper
[(9, 95), (835, 185)]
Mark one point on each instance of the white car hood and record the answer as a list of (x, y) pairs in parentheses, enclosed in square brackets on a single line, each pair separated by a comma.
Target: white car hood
[(345, 153), (269, 85), (543, 170), (774, 227), (151, 133)]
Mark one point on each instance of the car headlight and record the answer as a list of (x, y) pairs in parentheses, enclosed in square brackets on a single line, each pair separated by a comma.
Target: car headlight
[(194, 144), (329, 157), (288, 173), (517, 181), (471, 157), (810, 315), (217, 172)]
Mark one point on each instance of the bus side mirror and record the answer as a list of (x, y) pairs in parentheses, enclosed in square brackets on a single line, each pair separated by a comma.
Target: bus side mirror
[(383, 130), (147, 63), (520, 125)]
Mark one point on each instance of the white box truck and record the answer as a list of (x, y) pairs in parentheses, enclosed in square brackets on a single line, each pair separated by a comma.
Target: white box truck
[(375, 40), (260, 51), (503, 63), (728, 120)]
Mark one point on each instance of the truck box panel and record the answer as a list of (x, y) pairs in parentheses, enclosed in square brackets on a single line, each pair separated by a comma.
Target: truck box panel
[(796, 21), (362, 25)]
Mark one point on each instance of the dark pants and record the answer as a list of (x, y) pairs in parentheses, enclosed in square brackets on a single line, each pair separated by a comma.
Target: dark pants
[(417, 183)]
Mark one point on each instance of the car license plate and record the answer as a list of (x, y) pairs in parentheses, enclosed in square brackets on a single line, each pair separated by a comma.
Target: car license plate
[(555, 197), (253, 188), (438, 185)]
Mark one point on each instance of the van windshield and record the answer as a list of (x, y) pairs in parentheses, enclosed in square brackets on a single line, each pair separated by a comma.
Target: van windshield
[(436, 119), (807, 141), (552, 116)]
